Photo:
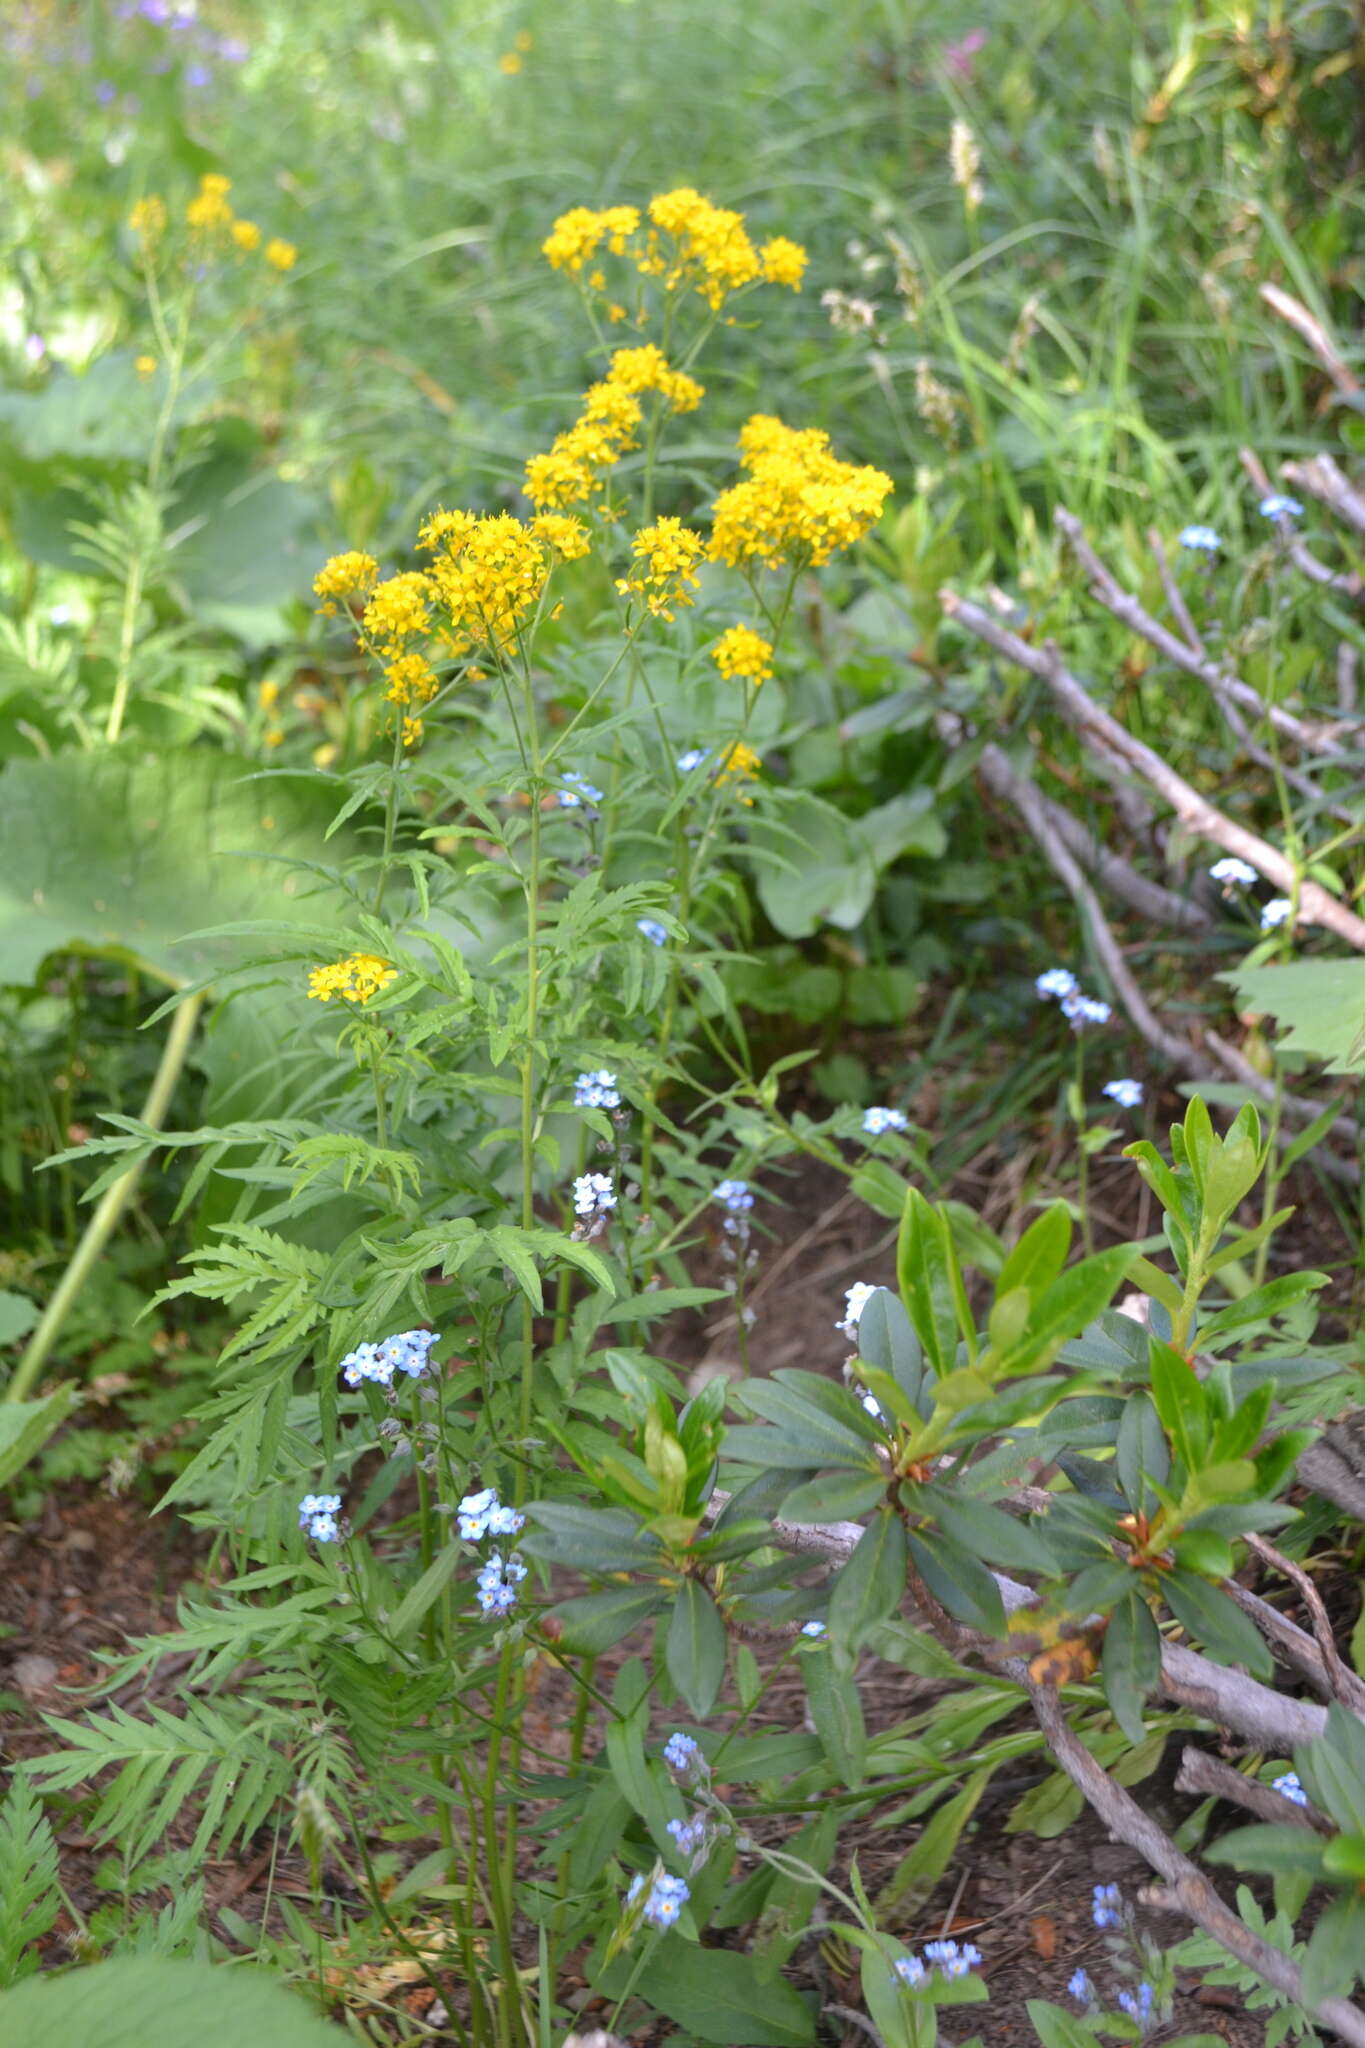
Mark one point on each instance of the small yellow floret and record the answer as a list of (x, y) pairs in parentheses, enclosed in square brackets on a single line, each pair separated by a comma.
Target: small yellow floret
[(741, 764), (352, 574), (148, 219), (743, 653), (509, 63), (398, 609), (280, 255), (783, 262), (578, 234), (209, 209), (246, 234), (799, 503), (354, 980), (568, 537), (666, 555), (145, 366)]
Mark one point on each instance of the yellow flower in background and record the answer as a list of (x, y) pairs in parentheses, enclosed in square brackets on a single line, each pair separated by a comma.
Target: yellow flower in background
[(713, 251), (397, 609), (280, 255), (145, 366), (568, 537), (615, 409), (352, 574), (743, 653), (799, 503), (148, 219), (246, 234), (209, 211), (524, 40), (354, 980), (739, 763), (509, 63), (783, 262), (487, 574), (578, 234), (646, 368), (666, 555)]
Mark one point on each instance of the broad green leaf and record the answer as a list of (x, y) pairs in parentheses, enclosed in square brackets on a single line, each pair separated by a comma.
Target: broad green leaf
[(1180, 1402), (959, 1582), (719, 1995), (1064, 1309), (1260, 1305), (1269, 1848), (1057, 2028), (140, 2002), (835, 1497), (597, 1621), (696, 1648), (925, 1862), (1336, 1951), (811, 868), (836, 1714), (427, 1591), (887, 1340), (17, 1316), (25, 1427), (1132, 1663), (930, 1281), (1040, 1254), (877, 1183), (1223, 1630), (988, 1531), (590, 1539), (130, 852), (1320, 1004), (870, 1585), (1141, 1454)]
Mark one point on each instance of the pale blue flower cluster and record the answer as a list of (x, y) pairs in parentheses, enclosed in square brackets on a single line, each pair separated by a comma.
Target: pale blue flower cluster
[(1233, 873), (693, 758), (813, 1628), (1127, 1094), (593, 1194), (664, 1898), (483, 1514), (876, 1122), (1058, 982), (576, 790), (596, 1091), (652, 930), (1289, 1787), (1275, 913), (1081, 1988), (318, 1514), (1107, 1906), (1139, 2005), (950, 1959), (1201, 539), (497, 1581), (408, 1352), (733, 1195), (1278, 506), (682, 1754), (1080, 1010), (690, 1835)]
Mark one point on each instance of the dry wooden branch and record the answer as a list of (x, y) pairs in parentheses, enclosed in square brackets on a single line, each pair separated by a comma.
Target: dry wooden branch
[(1316, 906), (1296, 315), (1225, 686), (1201, 1775), (1344, 1684), (1320, 478), (1187, 1883), (1328, 1469), (1297, 1648)]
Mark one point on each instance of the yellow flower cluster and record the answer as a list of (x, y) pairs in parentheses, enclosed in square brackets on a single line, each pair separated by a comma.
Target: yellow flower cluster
[(398, 609), (354, 979), (647, 369), (799, 502), (689, 242), (741, 652), (352, 575), (210, 218), (739, 763), (666, 555), (572, 472), (487, 573), (568, 536)]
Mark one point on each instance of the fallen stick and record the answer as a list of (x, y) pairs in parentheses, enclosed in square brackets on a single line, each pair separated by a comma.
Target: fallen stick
[(1316, 906), (1321, 479), (1297, 548), (1203, 1775)]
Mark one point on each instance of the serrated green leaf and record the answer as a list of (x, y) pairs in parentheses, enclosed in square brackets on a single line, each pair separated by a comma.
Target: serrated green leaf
[(136, 2001)]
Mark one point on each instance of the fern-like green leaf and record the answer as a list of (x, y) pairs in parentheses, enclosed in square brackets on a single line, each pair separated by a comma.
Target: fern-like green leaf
[(29, 1896)]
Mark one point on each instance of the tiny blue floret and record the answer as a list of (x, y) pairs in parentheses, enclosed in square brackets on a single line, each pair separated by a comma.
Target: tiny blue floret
[(593, 1194), (1107, 1906), (652, 930), (1289, 1788), (693, 758), (911, 1971), (1080, 1010), (1275, 913), (318, 1514), (576, 790), (1058, 982), (1278, 506), (733, 1195), (596, 1091), (1140, 2006), (813, 1628), (664, 1898), (1202, 539), (1127, 1094), (683, 1756), (1080, 1988), (879, 1120), (1233, 873)]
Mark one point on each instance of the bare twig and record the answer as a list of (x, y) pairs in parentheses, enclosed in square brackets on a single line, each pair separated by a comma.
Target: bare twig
[(1348, 670), (1187, 1884), (1298, 1107), (1329, 1471), (1175, 597), (1298, 550), (1295, 1646), (1345, 1686), (1311, 735), (1316, 906), (1296, 315), (1320, 478), (1201, 1774)]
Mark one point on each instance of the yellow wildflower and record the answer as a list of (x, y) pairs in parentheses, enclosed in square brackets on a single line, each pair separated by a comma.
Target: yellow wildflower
[(350, 575), (412, 730), (354, 979), (487, 574), (615, 313), (568, 474), (568, 537), (783, 262), (665, 557), (209, 209), (580, 233), (411, 679), (742, 652), (148, 219), (614, 409), (597, 281), (280, 255), (509, 63), (646, 369), (799, 503), (145, 366), (524, 40), (741, 764), (398, 609), (246, 234), (714, 253)]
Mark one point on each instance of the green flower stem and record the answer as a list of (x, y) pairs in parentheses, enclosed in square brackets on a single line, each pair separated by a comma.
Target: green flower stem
[(110, 1206)]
